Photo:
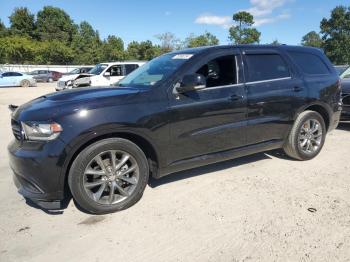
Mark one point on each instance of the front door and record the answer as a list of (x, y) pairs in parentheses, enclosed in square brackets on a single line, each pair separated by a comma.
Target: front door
[(212, 119)]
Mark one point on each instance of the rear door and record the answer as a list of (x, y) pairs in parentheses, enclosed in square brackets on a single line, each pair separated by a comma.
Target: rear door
[(213, 119), (274, 92)]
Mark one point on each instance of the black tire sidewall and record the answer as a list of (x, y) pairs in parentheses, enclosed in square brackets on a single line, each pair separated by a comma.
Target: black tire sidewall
[(318, 117), (77, 169)]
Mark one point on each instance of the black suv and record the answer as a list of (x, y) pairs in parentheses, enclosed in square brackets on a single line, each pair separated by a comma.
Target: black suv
[(179, 111)]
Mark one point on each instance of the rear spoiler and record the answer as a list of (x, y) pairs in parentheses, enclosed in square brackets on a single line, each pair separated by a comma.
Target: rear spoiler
[(12, 107)]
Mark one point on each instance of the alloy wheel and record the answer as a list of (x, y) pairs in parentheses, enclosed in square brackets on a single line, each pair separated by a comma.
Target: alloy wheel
[(111, 177), (310, 136)]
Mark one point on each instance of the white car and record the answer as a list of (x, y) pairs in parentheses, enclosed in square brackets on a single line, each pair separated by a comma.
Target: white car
[(103, 74)]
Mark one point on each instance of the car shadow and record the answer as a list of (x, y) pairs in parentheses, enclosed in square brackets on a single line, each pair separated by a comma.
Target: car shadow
[(345, 126), (199, 171)]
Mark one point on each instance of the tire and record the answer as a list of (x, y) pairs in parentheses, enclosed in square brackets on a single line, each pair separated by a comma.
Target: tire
[(125, 194), (296, 147), (25, 83)]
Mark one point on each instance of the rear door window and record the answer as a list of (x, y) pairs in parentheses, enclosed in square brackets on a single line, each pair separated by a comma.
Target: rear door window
[(130, 67), (310, 64), (263, 67)]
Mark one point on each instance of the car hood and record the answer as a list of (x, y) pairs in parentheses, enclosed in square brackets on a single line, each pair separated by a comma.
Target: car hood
[(68, 77), (67, 101)]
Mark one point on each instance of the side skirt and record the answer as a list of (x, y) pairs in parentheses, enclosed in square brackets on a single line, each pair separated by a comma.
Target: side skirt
[(212, 158)]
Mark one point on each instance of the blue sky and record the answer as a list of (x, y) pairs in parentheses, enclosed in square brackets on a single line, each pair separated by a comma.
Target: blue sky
[(284, 20)]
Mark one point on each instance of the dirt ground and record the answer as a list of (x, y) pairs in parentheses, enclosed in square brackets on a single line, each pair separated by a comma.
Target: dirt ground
[(264, 207)]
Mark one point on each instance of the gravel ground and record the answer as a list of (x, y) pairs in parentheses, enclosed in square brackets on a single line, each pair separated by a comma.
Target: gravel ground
[(263, 207)]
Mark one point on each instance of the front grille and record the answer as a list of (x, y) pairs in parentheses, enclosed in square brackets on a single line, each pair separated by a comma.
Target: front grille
[(16, 129)]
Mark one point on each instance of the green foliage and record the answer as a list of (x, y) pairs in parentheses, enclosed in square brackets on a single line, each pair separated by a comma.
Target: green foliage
[(53, 52), (113, 49), (242, 32), (22, 22), (55, 24), (17, 49), (336, 35), (86, 44), (312, 39), (144, 50), (206, 39)]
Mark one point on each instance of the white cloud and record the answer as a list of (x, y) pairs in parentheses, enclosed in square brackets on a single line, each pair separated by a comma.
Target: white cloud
[(207, 19), (271, 20), (262, 10)]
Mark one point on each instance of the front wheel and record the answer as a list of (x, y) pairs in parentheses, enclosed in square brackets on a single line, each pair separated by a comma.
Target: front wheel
[(108, 176), (307, 136)]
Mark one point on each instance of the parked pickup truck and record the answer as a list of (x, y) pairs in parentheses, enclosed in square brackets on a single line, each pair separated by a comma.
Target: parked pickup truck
[(179, 111), (103, 74)]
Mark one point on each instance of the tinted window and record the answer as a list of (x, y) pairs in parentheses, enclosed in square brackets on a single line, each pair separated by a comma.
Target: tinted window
[(130, 68), (16, 74), (309, 63), (116, 70), (220, 71), (6, 74), (266, 67)]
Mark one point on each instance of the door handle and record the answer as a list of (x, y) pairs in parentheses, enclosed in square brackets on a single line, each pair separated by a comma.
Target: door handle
[(298, 89), (235, 97)]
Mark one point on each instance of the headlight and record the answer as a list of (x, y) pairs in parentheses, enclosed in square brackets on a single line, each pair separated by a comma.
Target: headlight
[(41, 131), (69, 82)]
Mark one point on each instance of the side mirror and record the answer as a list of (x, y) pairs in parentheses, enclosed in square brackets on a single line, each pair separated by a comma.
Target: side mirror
[(192, 82), (107, 74)]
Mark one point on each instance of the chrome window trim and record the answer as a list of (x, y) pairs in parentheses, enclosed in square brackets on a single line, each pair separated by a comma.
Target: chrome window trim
[(269, 80)]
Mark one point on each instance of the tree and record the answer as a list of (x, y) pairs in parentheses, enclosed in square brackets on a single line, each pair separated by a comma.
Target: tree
[(22, 22), (53, 52), (336, 35), (144, 50), (3, 29), (168, 42), (242, 32), (86, 44), (275, 42), (17, 49), (312, 39), (206, 39), (113, 49), (55, 24)]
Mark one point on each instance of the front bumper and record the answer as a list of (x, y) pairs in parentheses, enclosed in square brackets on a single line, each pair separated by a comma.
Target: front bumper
[(37, 171)]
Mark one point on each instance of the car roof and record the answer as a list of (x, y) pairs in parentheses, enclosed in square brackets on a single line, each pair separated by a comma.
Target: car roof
[(198, 50), (123, 63)]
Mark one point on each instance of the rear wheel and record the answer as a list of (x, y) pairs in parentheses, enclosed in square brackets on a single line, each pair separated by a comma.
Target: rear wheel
[(25, 83), (307, 136), (108, 176)]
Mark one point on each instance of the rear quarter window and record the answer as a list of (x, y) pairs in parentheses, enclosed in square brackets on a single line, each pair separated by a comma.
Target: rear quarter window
[(266, 67), (310, 64)]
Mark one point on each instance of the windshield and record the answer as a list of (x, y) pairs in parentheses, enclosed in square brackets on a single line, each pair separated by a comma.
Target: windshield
[(340, 69), (98, 69), (75, 71), (154, 71)]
